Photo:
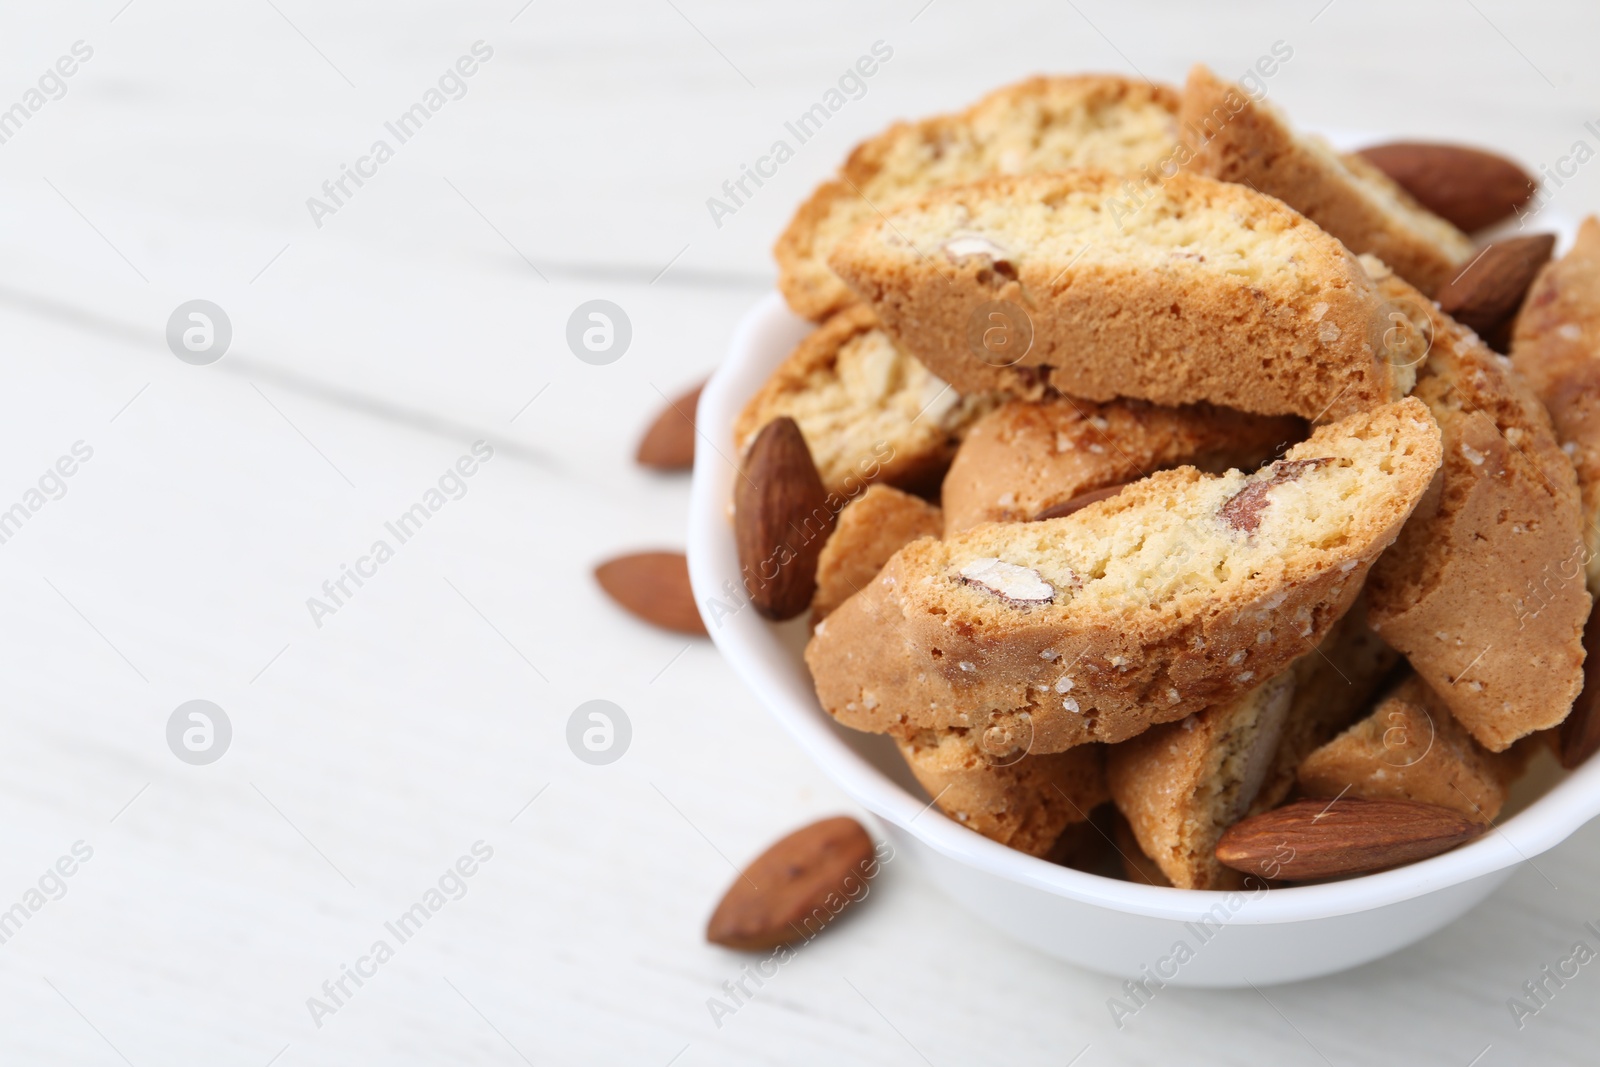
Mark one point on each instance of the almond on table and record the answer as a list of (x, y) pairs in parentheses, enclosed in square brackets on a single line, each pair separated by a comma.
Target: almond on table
[(668, 444), (796, 887), (654, 586)]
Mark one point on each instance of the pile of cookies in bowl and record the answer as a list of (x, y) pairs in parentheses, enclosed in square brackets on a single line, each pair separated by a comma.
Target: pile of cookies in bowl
[(1157, 475)]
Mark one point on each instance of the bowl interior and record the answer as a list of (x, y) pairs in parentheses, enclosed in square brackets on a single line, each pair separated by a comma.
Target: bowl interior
[(1546, 806)]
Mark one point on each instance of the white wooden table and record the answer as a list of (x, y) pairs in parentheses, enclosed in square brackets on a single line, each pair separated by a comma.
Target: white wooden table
[(428, 712)]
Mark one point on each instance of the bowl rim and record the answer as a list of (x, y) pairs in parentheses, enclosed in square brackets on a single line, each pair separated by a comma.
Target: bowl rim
[(756, 648)]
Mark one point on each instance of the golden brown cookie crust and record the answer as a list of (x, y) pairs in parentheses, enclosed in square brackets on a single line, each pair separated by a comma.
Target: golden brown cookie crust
[(1237, 139), (1181, 784), (1463, 592), (1136, 866), (1028, 456), (1043, 123), (870, 529), (925, 647), (869, 412), (1024, 801), (1556, 348), (1334, 686), (1205, 292), (1412, 748)]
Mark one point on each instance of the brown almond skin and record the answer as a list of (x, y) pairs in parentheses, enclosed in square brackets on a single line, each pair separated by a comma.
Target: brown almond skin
[(1319, 839), (653, 586), (1467, 186), (1580, 733), (668, 445), (1081, 501), (795, 887), (781, 519), (1487, 294)]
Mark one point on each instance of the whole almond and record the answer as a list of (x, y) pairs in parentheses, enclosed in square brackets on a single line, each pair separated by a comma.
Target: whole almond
[(1488, 292), (781, 518), (1081, 501), (1580, 733), (655, 587), (668, 445), (1467, 186), (1322, 839), (796, 887)]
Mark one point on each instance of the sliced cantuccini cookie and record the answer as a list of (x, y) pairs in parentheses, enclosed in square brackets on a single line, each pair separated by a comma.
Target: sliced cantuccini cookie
[(988, 784), (1183, 591), (1208, 292), (1412, 748), (1042, 124), (871, 528), (1030, 459), (1231, 136), (868, 411), (1470, 593), (1556, 348), (1182, 784), (1333, 687)]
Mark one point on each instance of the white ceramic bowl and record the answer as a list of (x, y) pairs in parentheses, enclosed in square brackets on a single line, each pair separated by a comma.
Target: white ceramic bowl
[(1113, 926)]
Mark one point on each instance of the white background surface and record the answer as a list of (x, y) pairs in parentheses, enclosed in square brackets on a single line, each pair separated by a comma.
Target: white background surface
[(367, 356)]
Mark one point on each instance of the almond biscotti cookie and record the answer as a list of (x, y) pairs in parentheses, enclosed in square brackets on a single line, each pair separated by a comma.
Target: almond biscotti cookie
[(1183, 591), (871, 528), (1239, 139), (1412, 748), (1136, 866), (868, 411), (1556, 348), (1026, 458), (1182, 784), (1456, 593), (1333, 686), (1021, 800), (1042, 124), (1208, 292)]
